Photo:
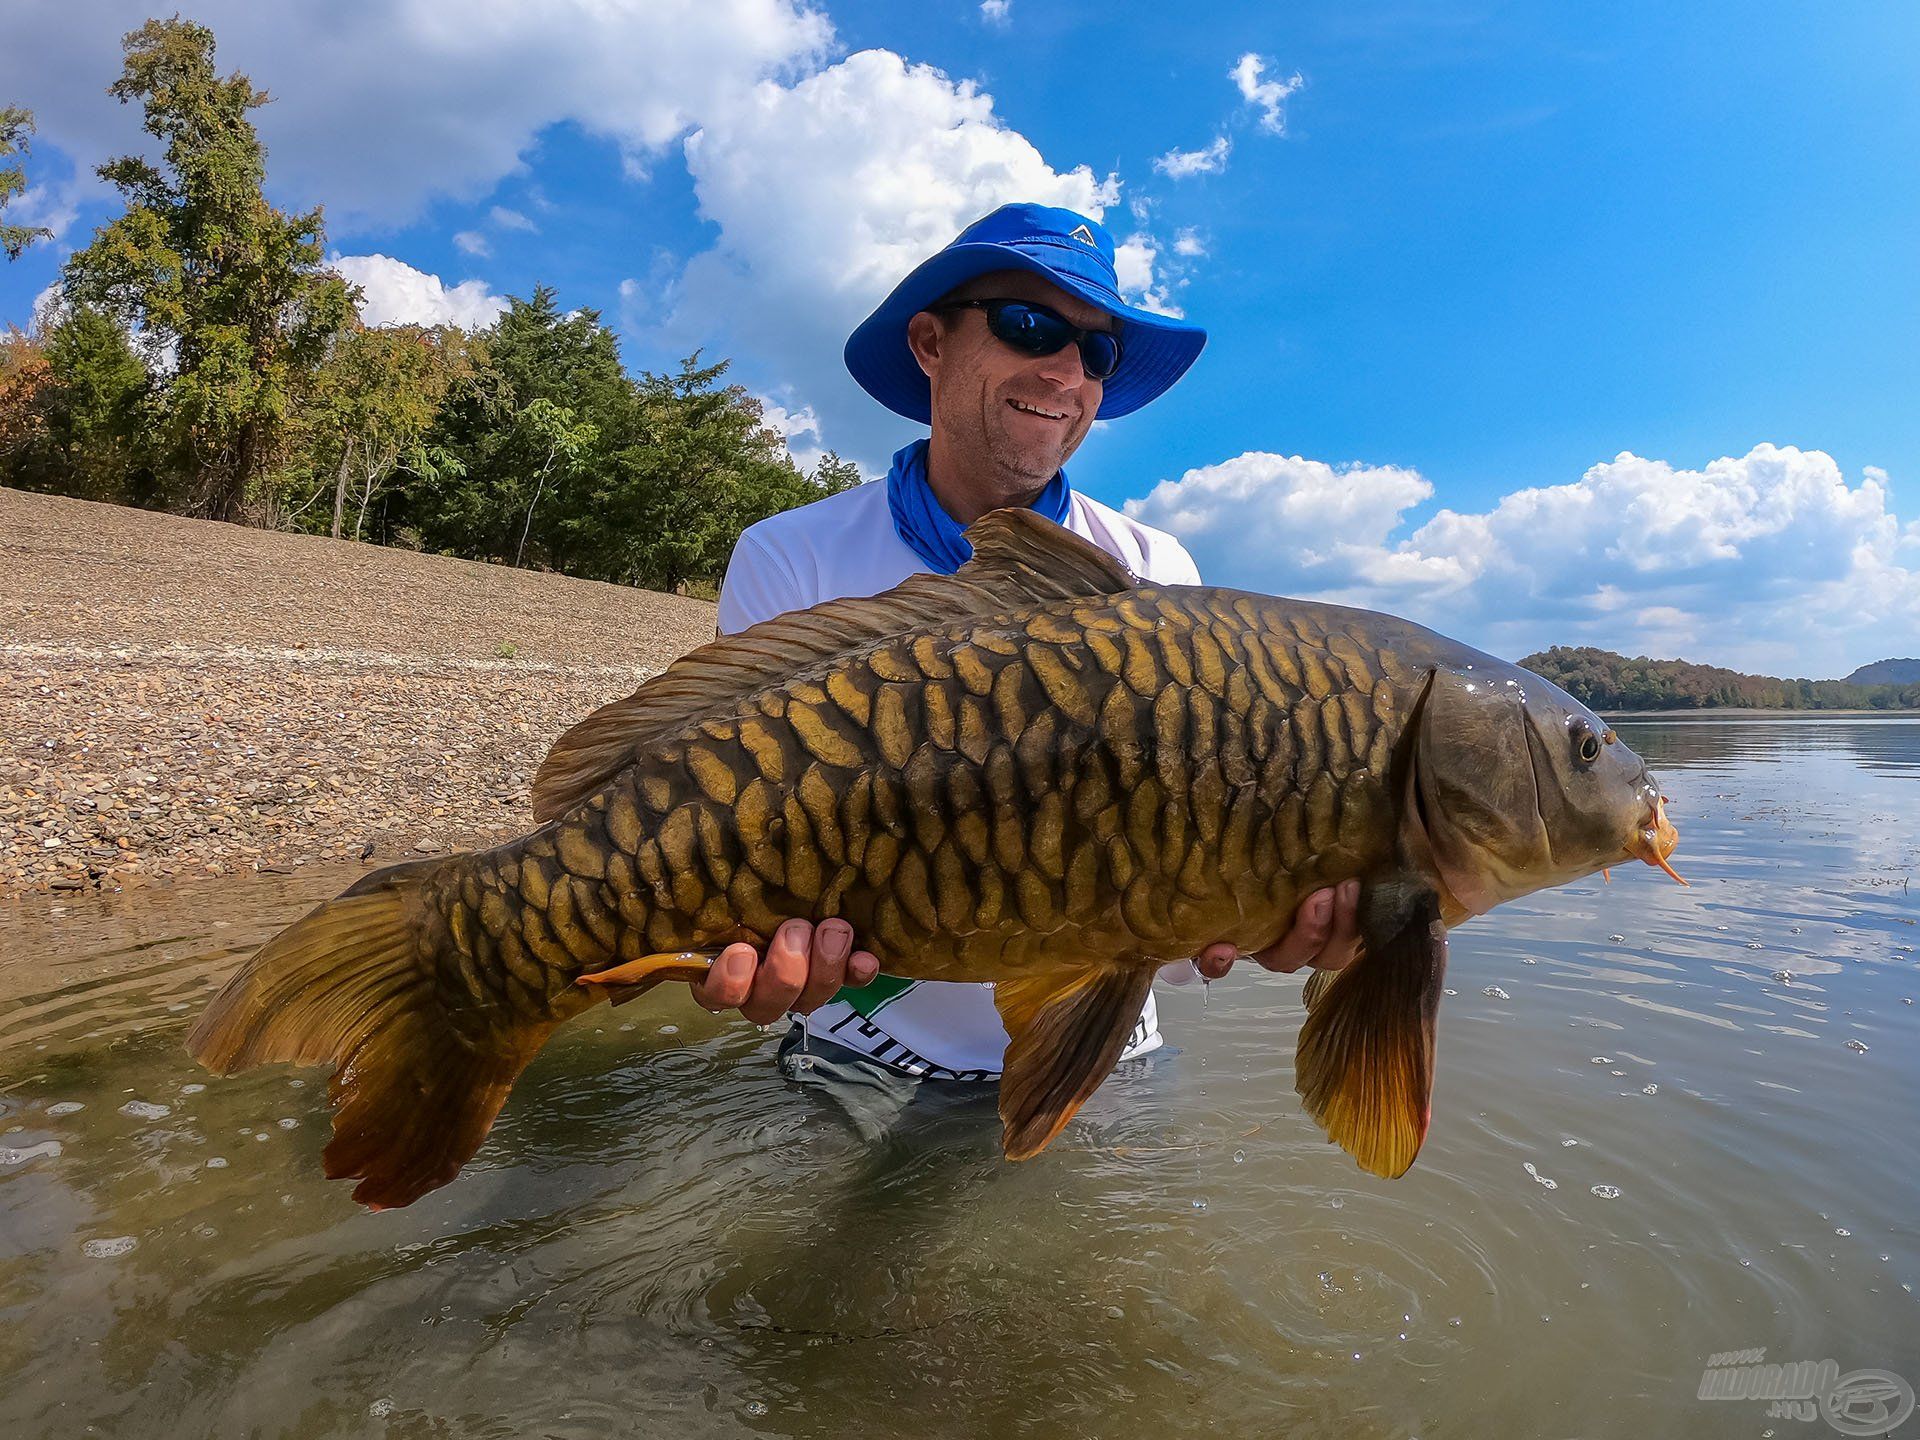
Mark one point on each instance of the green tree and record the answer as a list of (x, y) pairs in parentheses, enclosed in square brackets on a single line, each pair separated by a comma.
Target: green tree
[(15, 126), (73, 413), (367, 416), (831, 474), (207, 272)]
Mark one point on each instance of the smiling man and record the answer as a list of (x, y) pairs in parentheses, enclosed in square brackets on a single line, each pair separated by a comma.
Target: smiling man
[(1009, 343)]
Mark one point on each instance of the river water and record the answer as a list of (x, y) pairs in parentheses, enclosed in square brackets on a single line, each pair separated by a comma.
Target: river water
[(1655, 1139)]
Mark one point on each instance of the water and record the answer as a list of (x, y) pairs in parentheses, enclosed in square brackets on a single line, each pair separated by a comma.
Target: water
[(662, 1235)]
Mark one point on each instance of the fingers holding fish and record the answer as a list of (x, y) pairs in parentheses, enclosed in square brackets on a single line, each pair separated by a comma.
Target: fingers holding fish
[(1331, 943), (803, 968)]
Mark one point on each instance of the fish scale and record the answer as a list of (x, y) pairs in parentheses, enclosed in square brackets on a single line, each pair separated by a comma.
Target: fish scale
[(1152, 810), (1036, 773)]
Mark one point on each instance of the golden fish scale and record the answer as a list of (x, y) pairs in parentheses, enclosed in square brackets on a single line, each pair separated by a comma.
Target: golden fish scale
[(1141, 773)]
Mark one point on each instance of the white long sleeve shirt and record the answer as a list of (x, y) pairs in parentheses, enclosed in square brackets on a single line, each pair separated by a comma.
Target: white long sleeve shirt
[(845, 545)]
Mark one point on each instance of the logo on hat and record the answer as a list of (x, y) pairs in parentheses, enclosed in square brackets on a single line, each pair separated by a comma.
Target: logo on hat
[(1082, 234)]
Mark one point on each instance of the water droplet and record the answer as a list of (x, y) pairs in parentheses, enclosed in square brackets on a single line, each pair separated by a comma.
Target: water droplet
[(1199, 1204), (1785, 977), (1114, 1312), (1528, 960), (1544, 1181), (192, 1089), (296, 1084), (669, 1029), (1618, 938), (1857, 1046), (217, 1162), (145, 1110), (1650, 1090), (1449, 992), (756, 1409), (287, 1122), (1602, 1060), (1496, 993), (1239, 1157), (107, 1249), (1337, 1203), (1568, 1142), (380, 1408), (1453, 1320), (1607, 1192), (1842, 1232), (65, 1107), (1755, 945)]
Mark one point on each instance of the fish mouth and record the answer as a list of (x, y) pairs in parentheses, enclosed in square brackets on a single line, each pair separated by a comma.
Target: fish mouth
[(1654, 839)]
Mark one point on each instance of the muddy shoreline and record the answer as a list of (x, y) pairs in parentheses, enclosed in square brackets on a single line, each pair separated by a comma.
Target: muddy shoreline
[(181, 698)]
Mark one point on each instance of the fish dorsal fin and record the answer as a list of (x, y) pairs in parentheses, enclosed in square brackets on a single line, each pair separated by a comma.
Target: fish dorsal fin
[(1019, 559)]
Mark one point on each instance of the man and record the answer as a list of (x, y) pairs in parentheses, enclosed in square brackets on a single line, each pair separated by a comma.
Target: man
[(1009, 343)]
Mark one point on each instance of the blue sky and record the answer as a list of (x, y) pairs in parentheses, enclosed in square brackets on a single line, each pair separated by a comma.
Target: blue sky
[(1537, 323)]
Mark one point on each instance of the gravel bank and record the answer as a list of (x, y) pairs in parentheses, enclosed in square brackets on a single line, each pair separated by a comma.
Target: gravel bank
[(180, 697)]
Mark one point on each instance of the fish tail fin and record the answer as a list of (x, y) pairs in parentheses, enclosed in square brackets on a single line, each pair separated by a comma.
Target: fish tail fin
[(416, 1083), (1364, 1064)]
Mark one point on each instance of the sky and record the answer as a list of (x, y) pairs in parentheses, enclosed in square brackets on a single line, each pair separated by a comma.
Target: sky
[(1535, 323)]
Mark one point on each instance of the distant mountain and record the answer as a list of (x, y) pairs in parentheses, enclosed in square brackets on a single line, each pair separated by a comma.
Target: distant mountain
[(1607, 681), (1887, 672)]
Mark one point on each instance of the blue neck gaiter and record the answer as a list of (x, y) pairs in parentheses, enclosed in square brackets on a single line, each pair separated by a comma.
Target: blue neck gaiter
[(928, 530)]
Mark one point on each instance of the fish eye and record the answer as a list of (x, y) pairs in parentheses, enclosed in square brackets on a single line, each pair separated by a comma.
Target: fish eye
[(1586, 744)]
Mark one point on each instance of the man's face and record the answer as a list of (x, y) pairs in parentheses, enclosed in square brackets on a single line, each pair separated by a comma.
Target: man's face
[(1024, 413)]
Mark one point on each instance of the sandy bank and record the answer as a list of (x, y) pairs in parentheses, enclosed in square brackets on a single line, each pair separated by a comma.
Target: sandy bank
[(180, 697)]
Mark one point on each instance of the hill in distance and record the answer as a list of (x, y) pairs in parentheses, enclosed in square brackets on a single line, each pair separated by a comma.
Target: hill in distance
[(1887, 672), (1608, 681)]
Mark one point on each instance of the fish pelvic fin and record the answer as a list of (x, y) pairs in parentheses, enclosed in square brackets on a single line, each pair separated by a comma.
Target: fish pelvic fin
[(1364, 1065), (1065, 1032), (417, 1082), (634, 978)]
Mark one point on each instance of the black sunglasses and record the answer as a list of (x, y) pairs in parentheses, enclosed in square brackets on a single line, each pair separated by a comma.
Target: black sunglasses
[(1035, 330)]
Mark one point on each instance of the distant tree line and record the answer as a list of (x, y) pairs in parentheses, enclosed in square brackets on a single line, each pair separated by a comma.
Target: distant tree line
[(1607, 681), (201, 358)]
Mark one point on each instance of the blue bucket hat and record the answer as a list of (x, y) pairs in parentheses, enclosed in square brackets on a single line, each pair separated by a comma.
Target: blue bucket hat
[(1070, 250)]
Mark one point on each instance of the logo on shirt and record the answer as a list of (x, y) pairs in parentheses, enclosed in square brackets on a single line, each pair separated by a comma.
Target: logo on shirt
[(1082, 234)]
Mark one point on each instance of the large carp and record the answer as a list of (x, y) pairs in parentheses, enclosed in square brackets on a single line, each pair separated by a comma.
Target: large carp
[(1037, 772)]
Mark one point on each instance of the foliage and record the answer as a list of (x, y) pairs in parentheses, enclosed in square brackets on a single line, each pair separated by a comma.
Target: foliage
[(226, 291), (15, 126), (1607, 681), (203, 359), (73, 419), (366, 418)]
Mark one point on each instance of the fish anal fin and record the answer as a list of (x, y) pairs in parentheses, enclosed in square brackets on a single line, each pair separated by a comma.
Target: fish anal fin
[(1065, 1032), (633, 978), (1020, 559), (1365, 1060)]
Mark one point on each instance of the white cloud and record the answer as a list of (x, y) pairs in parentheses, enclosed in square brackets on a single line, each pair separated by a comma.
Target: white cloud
[(1179, 164), (1267, 96), (1769, 561), (793, 424), (1187, 243), (398, 294), (1133, 262), (511, 220), (49, 205), (996, 12), (472, 242), (379, 107), (828, 191)]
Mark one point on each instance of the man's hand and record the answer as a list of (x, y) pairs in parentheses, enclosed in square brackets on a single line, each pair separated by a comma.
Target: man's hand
[(800, 972), (1325, 935)]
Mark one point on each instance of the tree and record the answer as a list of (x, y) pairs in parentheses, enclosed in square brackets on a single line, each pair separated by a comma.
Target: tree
[(73, 412), (228, 291), (831, 474), (367, 416), (15, 126)]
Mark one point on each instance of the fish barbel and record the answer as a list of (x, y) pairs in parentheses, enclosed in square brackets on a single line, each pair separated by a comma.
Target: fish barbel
[(1036, 772)]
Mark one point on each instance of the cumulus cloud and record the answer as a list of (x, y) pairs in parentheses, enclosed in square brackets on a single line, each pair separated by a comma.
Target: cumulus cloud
[(996, 12), (826, 192), (1187, 243), (397, 294), (1769, 561), (1179, 164), (794, 425), (1267, 96), (380, 107)]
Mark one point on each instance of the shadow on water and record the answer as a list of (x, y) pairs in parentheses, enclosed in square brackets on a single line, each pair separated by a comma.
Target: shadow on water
[(1653, 1141)]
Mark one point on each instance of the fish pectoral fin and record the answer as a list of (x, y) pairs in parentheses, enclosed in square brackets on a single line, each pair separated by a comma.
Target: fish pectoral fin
[(633, 978), (1065, 1032), (1364, 1065)]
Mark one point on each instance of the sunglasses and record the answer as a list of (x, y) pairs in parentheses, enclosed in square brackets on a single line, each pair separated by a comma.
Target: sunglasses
[(1035, 330)]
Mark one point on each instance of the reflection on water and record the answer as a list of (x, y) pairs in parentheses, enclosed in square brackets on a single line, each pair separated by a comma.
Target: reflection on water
[(1653, 1141)]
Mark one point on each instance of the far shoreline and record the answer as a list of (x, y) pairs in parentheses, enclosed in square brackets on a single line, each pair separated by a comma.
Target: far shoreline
[(1750, 712)]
